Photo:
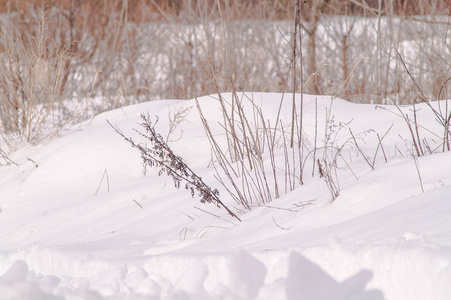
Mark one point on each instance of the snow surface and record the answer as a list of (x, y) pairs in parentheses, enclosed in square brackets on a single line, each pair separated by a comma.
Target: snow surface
[(79, 219)]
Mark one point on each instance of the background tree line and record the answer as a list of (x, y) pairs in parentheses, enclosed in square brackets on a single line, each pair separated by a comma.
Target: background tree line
[(125, 51), (138, 10)]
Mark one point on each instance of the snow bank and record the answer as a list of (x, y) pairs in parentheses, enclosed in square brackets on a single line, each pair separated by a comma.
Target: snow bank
[(246, 280), (79, 219)]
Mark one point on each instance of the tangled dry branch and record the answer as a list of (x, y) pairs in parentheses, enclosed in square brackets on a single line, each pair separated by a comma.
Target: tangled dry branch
[(161, 156)]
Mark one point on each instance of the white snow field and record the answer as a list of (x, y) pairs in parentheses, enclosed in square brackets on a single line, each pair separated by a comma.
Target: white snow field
[(79, 219)]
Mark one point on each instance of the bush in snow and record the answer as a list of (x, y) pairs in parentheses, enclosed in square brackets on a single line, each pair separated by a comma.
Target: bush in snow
[(33, 82)]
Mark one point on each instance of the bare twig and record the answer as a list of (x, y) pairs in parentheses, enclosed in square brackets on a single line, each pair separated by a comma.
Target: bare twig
[(192, 219), (185, 231), (414, 136), (283, 228), (137, 203), (316, 137), (379, 145), (280, 208), (418, 172), (7, 159), (382, 148), (210, 213), (35, 163), (361, 151), (105, 173), (326, 173), (207, 229)]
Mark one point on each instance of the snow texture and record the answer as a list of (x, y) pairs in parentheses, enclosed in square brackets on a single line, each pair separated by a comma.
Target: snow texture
[(80, 218)]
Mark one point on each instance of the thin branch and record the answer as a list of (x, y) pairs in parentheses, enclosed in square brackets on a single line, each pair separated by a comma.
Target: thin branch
[(361, 151), (418, 172), (105, 173), (283, 228), (380, 145), (203, 210), (137, 203)]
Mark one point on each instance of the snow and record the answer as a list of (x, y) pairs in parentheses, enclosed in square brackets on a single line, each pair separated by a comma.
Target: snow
[(80, 218)]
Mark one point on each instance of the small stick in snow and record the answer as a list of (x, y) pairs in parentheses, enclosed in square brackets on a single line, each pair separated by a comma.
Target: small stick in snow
[(418, 171), (36, 164), (137, 203), (274, 220), (105, 173)]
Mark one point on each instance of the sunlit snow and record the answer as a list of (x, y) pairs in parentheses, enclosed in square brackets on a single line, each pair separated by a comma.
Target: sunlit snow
[(81, 218)]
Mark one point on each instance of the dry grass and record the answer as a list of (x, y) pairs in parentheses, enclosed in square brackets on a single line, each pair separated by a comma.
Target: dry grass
[(33, 84), (161, 156)]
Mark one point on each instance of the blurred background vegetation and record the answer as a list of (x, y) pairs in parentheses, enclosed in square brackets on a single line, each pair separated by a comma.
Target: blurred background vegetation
[(121, 52)]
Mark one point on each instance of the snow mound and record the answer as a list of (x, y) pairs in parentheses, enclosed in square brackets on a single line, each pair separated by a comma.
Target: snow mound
[(81, 219), (304, 281)]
